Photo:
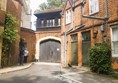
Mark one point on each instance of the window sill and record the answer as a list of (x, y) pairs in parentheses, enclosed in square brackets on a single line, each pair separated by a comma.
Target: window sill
[(68, 24), (92, 14), (115, 55)]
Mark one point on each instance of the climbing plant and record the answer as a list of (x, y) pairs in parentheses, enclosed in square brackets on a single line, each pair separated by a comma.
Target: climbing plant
[(9, 36)]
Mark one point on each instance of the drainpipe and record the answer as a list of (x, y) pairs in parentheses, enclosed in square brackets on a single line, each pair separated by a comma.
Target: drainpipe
[(72, 26), (64, 39), (98, 18), (65, 56), (107, 16)]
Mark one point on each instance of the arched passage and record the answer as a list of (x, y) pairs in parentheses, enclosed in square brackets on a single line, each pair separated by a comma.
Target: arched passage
[(48, 49)]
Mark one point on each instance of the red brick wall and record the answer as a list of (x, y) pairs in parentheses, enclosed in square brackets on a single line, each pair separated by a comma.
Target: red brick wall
[(30, 41), (89, 24), (15, 8), (43, 34)]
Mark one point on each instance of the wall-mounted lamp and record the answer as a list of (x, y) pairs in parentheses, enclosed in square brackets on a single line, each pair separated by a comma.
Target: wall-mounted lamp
[(95, 34), (102, 28)]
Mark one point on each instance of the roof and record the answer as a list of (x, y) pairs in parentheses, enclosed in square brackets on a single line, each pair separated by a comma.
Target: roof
[(71, 3), (49, 13), (27, 30)]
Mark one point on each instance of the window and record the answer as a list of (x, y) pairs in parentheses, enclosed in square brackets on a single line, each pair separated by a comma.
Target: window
[(59, 22), (47, 23), (42, 23), (74, 38), (53, 22), (114, 41), (93, 6), (3, 5), (68, 16)]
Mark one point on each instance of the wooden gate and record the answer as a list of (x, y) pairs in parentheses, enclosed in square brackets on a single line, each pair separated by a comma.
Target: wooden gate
[(50, 51), (74, 50), (86, 44)]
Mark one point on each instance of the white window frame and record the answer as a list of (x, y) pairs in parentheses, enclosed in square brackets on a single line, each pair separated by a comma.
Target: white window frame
[(68, 16), (53, 22), (48, 21), (93, 6), (42, 23), (113, 55), (59, 22)]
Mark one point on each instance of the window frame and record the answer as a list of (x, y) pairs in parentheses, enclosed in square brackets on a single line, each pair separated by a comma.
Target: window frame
[(68, 16), (112, 46), (93, 6)]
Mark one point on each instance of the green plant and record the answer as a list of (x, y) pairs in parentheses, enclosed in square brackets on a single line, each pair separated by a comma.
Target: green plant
[(9, 36), (100, 58)]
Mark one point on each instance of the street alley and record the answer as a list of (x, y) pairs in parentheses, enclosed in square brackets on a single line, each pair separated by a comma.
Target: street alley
[(54, 73)]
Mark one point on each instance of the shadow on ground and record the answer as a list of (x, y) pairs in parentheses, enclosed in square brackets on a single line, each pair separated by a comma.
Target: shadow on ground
[(31, 79)]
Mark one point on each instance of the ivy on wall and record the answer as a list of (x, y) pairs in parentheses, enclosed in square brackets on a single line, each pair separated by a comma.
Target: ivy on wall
[(9, 36)]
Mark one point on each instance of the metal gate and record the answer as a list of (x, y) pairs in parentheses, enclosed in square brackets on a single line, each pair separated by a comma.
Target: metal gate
[(50, 51), (74, 50), (86, 44)]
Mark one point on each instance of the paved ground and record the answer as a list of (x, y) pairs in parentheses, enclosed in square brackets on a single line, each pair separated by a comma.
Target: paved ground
[(83, 75), (54, 73), (37, 73)]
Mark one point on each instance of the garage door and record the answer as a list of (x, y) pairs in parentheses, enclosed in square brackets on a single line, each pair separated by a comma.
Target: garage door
[(86, 44), (50, 51)]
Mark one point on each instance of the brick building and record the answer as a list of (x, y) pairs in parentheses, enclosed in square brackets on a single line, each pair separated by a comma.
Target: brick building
[(48, 39), (86, 23), (25, 32), (29, 36), (3, 4), (14, 7)]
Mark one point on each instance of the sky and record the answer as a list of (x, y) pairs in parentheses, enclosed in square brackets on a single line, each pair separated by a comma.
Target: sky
[(34, 4)]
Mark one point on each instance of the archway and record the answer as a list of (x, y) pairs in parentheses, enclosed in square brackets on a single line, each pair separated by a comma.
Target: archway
[(48, 49)]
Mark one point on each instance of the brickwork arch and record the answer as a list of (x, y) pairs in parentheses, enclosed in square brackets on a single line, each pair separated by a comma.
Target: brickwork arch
[(37, 54)]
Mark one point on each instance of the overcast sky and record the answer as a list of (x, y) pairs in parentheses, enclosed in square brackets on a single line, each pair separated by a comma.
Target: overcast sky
[(34, 5)]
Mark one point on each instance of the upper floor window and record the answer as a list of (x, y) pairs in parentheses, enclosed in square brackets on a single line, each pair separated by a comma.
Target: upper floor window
[(68, 16), (42, 22), (3, 5), (114, 39), (47, 23), (59, 22), (93, 6), (53, 22)]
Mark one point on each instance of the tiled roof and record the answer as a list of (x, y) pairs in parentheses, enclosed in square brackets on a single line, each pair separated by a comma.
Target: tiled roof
[(48, 11)]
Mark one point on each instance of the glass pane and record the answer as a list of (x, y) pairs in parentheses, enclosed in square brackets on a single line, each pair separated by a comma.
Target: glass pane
[(115, 34), (115, 47)]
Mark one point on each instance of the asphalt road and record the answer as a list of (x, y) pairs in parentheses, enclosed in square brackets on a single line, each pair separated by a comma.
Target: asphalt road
[(38, 73)]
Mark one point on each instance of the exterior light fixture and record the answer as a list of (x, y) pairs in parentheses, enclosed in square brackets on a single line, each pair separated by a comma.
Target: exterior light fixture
[(95, 34), (102, 28)]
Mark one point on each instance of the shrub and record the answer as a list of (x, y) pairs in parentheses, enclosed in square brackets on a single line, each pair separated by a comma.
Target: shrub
[(100, 58)]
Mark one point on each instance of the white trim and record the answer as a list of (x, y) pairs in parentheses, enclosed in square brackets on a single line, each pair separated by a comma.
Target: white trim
[(113, 55), (68, 16), (37, 54), (93, 6)]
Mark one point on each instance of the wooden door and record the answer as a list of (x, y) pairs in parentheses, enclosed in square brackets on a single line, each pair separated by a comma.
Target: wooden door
[(50, 51), (86, 44), (74, 50)]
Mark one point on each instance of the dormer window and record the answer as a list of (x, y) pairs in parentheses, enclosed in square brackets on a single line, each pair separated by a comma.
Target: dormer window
[(93, 6), (68, 16)]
